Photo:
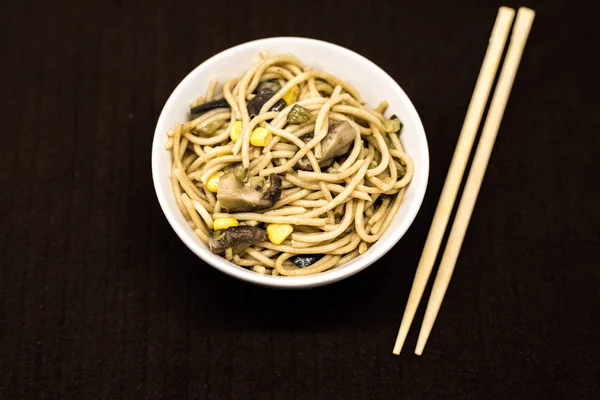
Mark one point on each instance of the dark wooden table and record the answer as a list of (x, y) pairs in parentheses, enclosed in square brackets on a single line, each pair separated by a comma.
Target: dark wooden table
[(100, 300)]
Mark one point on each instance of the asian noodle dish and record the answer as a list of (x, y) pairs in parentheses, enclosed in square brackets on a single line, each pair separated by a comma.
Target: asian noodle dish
[(286, 171)]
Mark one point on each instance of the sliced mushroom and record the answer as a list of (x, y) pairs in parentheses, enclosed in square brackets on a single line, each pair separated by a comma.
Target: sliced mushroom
[(336, 143), (258, 101), (264, 92), (255, 194), (304, 164), (306, 260), (205, 107), (237, 237), (279, 105), (273, 86)]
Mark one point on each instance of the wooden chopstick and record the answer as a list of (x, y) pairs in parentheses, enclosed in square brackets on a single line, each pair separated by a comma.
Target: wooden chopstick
[(518, 40), (457, 167)]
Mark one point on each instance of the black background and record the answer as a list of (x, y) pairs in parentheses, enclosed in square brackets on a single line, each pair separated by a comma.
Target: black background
[(100, 299)]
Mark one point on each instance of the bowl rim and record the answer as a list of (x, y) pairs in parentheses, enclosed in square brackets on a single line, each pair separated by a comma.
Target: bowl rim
[(284, 282)]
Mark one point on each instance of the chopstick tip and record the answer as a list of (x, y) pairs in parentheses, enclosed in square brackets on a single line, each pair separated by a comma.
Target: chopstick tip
[(527, 10), (420, 345), (505, 9), (423, 336), (398, 346), (403, 331)]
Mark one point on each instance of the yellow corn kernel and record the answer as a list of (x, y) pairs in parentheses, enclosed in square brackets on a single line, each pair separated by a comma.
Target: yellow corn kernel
[(277, 233), (260, 137), (235, 131), (213, 182), (292, 95), (224, 223)]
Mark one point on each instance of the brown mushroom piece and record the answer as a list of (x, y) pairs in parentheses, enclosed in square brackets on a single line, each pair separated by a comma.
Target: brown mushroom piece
[(237, 237), (264, 92), (254, 194), (336, 143)]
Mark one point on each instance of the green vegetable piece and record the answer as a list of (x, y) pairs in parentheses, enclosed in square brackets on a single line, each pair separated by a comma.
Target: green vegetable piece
[(392, 125), (208, 128), (240, 172), (298, 115)]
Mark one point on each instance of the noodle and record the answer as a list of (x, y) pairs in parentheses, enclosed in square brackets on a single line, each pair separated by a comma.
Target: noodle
[(332, 202), (210, 91)]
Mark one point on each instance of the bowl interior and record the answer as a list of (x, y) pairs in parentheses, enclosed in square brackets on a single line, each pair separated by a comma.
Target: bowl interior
[(374, 85)]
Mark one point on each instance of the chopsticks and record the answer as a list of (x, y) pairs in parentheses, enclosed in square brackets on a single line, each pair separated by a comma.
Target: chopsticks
[(489, 67), (457, 168)]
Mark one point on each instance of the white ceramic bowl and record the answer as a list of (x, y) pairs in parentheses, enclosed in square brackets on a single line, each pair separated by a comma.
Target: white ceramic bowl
[(374, 85)]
